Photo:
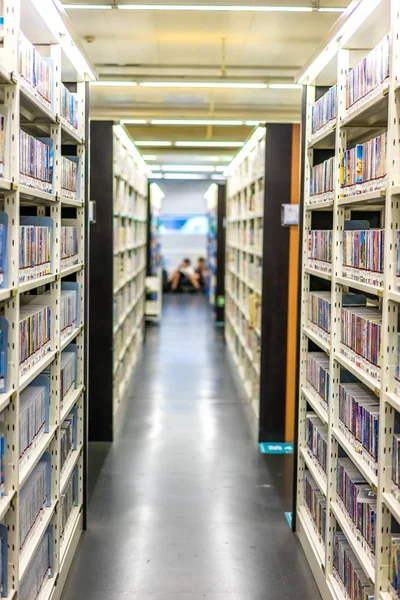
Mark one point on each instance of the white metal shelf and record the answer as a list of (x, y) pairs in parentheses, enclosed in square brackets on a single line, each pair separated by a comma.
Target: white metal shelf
[(70, 132), (364, 198), (69, 338), (364, 109), (355, 456), (364, 377), (33, 195), (36, 370), (369, 288), (33, 541), (69, 466), (318, 273), (315, 469), (317, 339), (318, 405), (70, 400), (35, 455), (34, 105), (316, 545), (26, 286)]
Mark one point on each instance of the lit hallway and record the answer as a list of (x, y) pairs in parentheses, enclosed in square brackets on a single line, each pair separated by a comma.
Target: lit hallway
[(184, 507)]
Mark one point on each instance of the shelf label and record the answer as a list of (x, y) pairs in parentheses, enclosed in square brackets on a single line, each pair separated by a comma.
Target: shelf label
[(288, 516), (275, 448)]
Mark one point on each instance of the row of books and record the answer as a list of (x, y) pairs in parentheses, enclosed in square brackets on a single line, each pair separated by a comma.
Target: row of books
[(34, 331), (35, 70), (69, 307), (318, 373), (68, 500), (69, 177), (358, 499), (322, 178), (359, 412), (348, 571), (69, 246), (317, 439), (394, 565), (68, 370), (35, 248), (2, 145), (34, 497), (40, 569), (69, 106), (320, 245), (316, 504), (319, 310), (3, 353), (363, 168), (396, 459), (67, 438), (36, 161), (3, 561), (363, 250), (33, 414), (324, 110), (369, 74), (361, 332)]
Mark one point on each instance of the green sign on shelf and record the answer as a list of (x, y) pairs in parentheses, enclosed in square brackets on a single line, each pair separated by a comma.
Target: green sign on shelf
[(220, 301)]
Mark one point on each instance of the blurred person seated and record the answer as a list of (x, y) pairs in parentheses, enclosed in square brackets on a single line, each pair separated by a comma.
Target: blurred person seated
[(184, 275), (202, 272)]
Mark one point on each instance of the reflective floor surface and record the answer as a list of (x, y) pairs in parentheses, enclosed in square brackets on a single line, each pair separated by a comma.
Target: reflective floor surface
[(182, 507)]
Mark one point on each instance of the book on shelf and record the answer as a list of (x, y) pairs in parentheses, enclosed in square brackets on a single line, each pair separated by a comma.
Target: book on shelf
[(69, 365), (34, 415), (370, 74), (69, 250), (320, 249), (4, 120), (316, 505), (363, 254), (68, 436), (322, 178), (70, 106), (363, 168), (3, 250), (348, 571), (69, 308), (317, 373), (317, 439), (40, 569), (68, 499), (36, 71), (361, 337), (324, 110), (34, 330), (70, 167), (36, 162), (394, 565), (3, 560), (35, 247), (3, 354), (35, 496)]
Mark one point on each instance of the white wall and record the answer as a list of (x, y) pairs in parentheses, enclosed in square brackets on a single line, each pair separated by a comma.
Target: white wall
[(183, 197)]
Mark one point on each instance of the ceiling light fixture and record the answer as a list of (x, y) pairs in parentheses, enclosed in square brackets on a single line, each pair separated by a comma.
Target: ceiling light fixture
[(209, 144), (156, 176), (284, 86), (205, 8), (150, 157), (219, 177), (154, 143), (202, 168), (134, 121), (114, 84), (205, 84), (155, 167), (252, 123), (194, 122), (185, 176), (87, 6)]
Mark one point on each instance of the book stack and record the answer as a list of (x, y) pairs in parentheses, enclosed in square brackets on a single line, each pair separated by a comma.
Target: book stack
[(34, 497), (3, 353), (35, 71), (40, 569), (363, 168), (36, 162), (358, 500), (322, 179), (67, 500), (348, 572), (359, 413), (69, 246), (68, 373), (2, 140), (319, 313), (370, 74), (363, 255), (35, 331), (316, 504), (34, 402), (317, 439), (320, 250), (69, 106), (324, 110), (394, 566), (69, 173), (69, 311), (67, 438), (35, 246), (318, 373), (361, 337)]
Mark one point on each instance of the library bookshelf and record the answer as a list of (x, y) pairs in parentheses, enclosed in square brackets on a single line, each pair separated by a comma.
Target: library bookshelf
[(42, 296), (154, 279), (348, 428), (119, 251), (211, 197)]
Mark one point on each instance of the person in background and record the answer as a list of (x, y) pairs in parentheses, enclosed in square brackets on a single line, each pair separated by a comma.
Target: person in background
[(201, 271), (184, 274)]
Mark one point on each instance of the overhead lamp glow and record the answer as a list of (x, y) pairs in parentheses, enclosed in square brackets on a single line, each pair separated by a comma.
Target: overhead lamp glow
[(155, 167), (184, 176), (202, 168), (156, 176), (194, 122), (154, 143), (150, 157), (246, 148), (209, 144), (252, 123), (125, 138), (219, 177), (114, 84), (221, 8), (285, 86), (87, 6), (134, 121), (220, 169), (205, 84)]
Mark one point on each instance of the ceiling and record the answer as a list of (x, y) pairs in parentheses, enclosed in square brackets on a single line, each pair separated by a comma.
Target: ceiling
[(203, 46)]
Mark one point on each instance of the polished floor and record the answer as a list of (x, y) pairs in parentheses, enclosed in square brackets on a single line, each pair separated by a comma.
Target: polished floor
[(182, 507)]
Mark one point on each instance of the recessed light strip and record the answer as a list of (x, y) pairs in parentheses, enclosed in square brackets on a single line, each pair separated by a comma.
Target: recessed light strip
[(185, 144), (197, 84), (204, 8)]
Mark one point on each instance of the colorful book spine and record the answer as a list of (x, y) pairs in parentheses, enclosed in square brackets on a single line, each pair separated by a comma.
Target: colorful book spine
[(363, 168), (67, 501), (39, 570), (69, 246), (68, 373), (317, 439), (318, 373), (361, 332), (394, 565), (67, 438), (322, 179), (68, 312), (35, 71), (69, 172), (369, 74), (348, 571), (69, 106), (320, 246), (359, 413), (3, 359), (2, 141), (319, 311), (35, 334), (32, 420), (33, 500), (35, 245), (324, 110), (358, 499), (316, 504), (363, 250), (35, 162)]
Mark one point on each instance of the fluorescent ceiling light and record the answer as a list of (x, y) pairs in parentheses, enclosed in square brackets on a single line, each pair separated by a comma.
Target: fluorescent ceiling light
[(184, 176), (155, 167), (209, 144), (217, 8), (153, 143), (114, 84), (220, 176), (134, 121), (285, 86), (205, 84), (252, 123), (203, 168), (193, 122), (220, 169), (87, 6), (156, 176), (150, 157)]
